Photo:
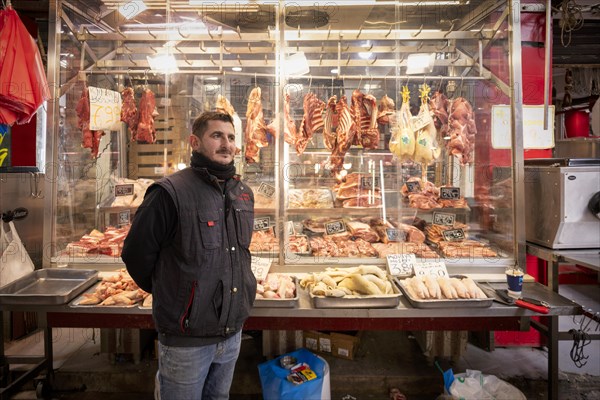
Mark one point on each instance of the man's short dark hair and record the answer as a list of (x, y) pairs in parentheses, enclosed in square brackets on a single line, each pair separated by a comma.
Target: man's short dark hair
[(201, 123)]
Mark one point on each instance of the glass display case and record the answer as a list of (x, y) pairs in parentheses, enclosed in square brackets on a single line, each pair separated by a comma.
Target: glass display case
[(365, 128)]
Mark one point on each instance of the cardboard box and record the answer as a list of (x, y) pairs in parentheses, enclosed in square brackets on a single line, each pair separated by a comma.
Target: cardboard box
[(343, 345)]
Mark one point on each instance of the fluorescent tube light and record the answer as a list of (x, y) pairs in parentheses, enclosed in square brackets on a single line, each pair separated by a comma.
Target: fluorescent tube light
[(132, 8), (236, 69), (164, 63)]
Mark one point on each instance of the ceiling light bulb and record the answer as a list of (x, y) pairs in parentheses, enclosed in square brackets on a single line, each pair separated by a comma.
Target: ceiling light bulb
[(236, 69), (365, 55), (335, 71), (132, 8)]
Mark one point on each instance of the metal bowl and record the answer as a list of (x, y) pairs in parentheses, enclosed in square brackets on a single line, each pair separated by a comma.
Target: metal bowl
[(288, 362)]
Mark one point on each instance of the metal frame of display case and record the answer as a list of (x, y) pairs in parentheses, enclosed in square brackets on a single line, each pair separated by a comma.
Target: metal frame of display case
[(251, 52)]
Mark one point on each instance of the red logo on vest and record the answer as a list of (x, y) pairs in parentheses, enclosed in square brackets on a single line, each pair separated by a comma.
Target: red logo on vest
[(211, 223), (244, 197)]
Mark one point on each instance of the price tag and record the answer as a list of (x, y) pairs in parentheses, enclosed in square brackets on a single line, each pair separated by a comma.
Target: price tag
[(260, 224), (454, 235), (260, 267), (420, 121), (266, 190), (395, 235), (440, 218), (333, 227), (450, 193), (105, 109), (413, 187), (435, 268), (124, 190), (367, 182), (124, 218), (291, 229), (401, 264)]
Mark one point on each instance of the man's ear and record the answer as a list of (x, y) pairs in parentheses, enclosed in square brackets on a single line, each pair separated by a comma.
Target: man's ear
[(194, 141)]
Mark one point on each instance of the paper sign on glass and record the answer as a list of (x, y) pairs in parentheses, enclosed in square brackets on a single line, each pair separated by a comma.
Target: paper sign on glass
[(435, 268), (105, 109), (260, 267)]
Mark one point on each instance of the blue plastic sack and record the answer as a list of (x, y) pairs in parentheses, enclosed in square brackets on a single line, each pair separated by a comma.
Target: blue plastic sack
[(275, 386)]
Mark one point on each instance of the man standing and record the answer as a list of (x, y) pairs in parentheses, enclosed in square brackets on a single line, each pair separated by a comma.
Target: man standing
[(188, 246)]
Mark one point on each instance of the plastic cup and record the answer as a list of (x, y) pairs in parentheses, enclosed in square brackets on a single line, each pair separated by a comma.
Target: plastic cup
[(514, 279)]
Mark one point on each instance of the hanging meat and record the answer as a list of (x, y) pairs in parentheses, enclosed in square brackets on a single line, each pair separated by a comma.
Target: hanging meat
[(146, 133), (23, 85), (462, 130), (370, 136), (90, 139), (345, 132), (224, 106), (330, 123), (402, 140), (439, 105), (312, 121), (129, 111), (358, 115), (290, 132), (426, 147), (256, 129), (385, 110)]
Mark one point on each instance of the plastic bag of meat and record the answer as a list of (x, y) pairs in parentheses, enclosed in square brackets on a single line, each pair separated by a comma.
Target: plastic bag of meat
[(426, 146), (402, 140)]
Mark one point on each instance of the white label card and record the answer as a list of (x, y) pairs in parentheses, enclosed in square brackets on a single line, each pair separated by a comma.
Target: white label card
[(260, 267), (331, 228), (435, 268), (290, 228), (124, 217), (450, 193), (401, 264), (454, 235), (124, 190), (447, 219), (260, 224), (266, 190), (421, 121)]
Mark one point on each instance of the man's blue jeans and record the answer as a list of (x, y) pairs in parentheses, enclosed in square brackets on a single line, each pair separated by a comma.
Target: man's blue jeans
[(186, 373)]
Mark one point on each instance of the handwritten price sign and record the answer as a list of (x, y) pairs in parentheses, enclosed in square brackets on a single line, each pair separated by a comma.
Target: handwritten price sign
[(266, 190), (401, 264), (435, 268), (260, 267), (105, 109)]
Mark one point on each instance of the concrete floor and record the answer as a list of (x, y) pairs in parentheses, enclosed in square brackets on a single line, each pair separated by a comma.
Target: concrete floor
[(385, 359)]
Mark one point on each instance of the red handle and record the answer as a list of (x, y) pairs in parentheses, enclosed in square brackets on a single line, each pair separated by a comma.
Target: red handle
[(532, 307)]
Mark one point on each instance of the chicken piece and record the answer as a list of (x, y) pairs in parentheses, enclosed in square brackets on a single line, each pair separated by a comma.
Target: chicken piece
[(402, 140), (426, 146)]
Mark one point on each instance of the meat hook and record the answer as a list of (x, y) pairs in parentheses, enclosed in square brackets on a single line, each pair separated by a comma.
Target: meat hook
[(420, 45), (320, 59), (239, 32), (266, 60), (202, 48), (359, 82), (348, 60), (449, 30), (418, 32), (131, 60), (373, 62), (444, 46), (186, 60), (151, 34), (249, 48), (181, 34), (359, 31), (208, 31), (298, 31), (121, 33), (328, 31), (390, 31), (212, 60), (239, 60)]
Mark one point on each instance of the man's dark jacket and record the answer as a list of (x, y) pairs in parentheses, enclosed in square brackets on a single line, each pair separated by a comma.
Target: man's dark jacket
[(202, 285)]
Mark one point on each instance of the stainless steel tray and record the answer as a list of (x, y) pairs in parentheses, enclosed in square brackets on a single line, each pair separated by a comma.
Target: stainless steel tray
[(449, 303), (279, 303), (379, 301), (48, 286)]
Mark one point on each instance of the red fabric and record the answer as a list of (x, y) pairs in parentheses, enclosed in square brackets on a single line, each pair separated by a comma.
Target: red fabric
[(23, 85)]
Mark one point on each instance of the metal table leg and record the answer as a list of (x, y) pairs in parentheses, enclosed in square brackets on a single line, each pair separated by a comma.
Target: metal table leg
[(553, 336)]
